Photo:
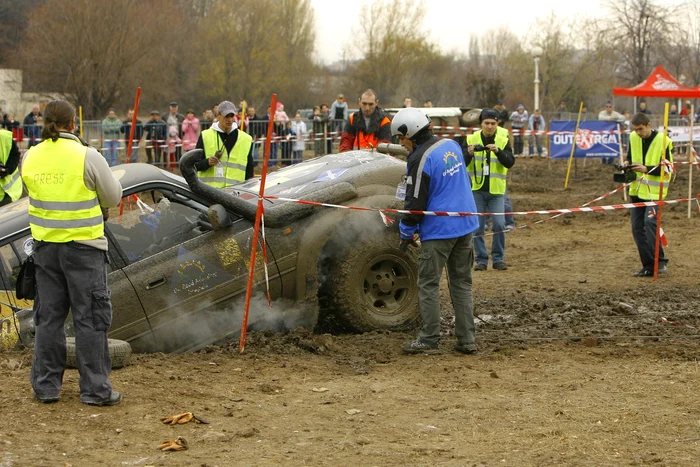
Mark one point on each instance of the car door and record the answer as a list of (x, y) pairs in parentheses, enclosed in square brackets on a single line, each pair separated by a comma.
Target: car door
[(128, 321), (190, 280)]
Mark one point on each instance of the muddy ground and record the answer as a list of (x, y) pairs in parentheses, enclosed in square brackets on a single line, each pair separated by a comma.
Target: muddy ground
[(579, 364)]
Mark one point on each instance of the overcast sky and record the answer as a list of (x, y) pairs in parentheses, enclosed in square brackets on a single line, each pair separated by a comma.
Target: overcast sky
[(450, 22)]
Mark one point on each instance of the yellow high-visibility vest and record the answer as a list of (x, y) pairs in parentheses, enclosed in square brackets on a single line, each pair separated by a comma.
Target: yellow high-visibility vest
[(648, 188), (61, 208), (497, 171), (10, 183), (231, 167)]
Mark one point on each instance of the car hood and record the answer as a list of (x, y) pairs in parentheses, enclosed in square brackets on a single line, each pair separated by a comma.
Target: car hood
[(334, 179)]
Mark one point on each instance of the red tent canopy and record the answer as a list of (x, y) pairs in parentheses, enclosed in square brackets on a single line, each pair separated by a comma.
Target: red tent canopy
[(659, 83)]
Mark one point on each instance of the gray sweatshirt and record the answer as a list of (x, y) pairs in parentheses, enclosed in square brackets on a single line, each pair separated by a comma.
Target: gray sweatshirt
[(99, 177)]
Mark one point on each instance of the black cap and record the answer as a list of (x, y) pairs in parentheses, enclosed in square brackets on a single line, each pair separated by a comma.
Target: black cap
[(488, 113), (155, 112), (173, 103)]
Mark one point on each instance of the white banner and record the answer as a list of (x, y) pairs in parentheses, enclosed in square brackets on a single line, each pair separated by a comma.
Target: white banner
[(681, 134)]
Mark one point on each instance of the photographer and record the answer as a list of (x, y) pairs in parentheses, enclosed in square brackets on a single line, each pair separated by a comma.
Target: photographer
[(488, 159), (10, 181), (644, 159)]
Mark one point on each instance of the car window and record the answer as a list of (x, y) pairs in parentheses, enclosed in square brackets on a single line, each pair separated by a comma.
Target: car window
[(9, 266), (11, 256), (154, 220)]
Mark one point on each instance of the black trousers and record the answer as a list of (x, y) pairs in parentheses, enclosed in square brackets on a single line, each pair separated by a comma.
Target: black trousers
[(644, 234)]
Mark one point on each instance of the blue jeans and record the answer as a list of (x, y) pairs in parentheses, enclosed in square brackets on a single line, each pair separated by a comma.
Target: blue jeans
[(110, 148), (273, 154), (134, 153), (486, 202), (508, 207), (537, 143)]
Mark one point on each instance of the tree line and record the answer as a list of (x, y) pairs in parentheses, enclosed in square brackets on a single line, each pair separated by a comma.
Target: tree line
[(199, 52)]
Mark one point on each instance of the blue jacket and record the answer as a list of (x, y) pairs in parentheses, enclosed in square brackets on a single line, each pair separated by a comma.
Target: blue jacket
[(437, 180)]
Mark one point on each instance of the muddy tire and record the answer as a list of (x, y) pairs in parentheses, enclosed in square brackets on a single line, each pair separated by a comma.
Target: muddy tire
[(370, 284), (119, 352)]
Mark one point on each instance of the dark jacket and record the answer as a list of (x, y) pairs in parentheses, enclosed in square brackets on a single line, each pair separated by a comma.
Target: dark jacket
[(31, 129), (258, 126), (156, 130), (126, 129)]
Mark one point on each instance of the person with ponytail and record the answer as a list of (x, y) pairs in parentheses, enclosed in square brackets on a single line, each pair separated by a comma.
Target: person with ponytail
[(70, 188)]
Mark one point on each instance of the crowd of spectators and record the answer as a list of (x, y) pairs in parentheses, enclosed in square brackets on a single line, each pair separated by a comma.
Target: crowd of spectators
[(166, 136)]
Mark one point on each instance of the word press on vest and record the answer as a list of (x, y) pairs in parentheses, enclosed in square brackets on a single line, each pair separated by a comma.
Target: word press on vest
[(48, 179)]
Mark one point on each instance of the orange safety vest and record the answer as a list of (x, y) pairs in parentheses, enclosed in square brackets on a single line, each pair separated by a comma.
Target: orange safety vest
[(367, 140)]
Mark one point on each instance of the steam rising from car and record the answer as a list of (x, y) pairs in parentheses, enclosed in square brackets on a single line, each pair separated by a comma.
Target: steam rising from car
[(219, 325)]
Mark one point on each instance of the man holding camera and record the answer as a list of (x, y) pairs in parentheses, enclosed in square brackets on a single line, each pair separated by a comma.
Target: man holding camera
[(644, 159), (489, 157)]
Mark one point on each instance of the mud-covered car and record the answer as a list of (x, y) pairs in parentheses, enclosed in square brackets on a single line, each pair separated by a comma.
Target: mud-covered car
[(180, 253)]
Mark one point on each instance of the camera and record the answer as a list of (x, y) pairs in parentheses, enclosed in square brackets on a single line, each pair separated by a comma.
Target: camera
[(479, 147), (626, 174)]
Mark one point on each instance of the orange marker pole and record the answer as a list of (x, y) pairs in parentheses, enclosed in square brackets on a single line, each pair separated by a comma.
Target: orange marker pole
[(661, 193), (256, 229)]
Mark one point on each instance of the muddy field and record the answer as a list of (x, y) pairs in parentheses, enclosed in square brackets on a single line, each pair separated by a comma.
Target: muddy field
[(579, 364)]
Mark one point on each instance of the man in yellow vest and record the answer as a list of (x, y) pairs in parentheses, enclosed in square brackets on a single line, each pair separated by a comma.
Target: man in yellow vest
[(70, 185), (10, 181), (647, 146), (228, 151), (489, 157)]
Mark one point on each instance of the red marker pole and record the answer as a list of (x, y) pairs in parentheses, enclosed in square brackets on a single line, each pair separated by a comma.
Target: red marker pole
[(256, 229), (129, 145)]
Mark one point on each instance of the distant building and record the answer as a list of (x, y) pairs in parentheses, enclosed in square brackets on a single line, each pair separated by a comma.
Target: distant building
[(14, 101)]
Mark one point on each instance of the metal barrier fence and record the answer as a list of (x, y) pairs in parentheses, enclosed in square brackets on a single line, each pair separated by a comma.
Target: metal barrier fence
[(156, 147), (161, 147)]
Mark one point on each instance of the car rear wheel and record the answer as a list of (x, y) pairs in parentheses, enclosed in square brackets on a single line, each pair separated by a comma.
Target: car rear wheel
[(370, 284)]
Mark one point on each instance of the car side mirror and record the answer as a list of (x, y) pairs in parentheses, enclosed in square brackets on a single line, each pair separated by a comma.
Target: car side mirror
[(219, 217)]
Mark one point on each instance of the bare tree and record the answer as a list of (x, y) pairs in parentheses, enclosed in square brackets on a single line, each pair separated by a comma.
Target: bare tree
[(96, 52), (639, 30), (14, 17), (260, 47), (392, 46)]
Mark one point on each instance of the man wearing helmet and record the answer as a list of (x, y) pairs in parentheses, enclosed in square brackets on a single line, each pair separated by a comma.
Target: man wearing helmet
[(436, 180), (367, 127), (489, 158)]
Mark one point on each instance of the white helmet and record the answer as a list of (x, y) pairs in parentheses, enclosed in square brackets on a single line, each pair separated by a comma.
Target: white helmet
[(408, 122)]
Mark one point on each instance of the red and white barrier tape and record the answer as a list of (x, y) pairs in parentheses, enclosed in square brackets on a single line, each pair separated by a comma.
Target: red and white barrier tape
[(611, 207)]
